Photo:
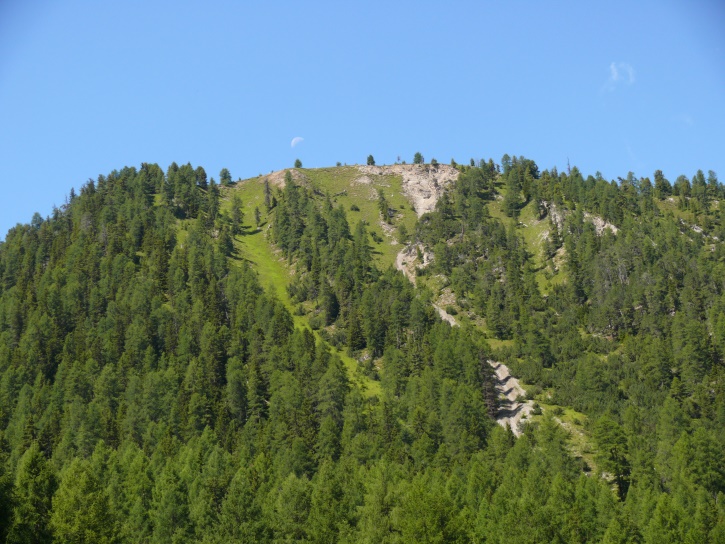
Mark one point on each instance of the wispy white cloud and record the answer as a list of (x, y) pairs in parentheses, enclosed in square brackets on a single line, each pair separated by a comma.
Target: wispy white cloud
[(620, 73), (296, 140)]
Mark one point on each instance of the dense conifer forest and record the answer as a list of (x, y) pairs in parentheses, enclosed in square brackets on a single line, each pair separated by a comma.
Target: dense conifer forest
[(155, 388)]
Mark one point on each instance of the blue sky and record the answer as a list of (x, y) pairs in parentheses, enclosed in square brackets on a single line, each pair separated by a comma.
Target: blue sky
[(88, 87)]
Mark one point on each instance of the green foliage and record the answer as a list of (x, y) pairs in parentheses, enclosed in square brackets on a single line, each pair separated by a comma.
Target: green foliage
[(371, 161), (418, 158), (298, 163), (35, 484), (155, 388), (81, 507), (225, 177), (383, 206)]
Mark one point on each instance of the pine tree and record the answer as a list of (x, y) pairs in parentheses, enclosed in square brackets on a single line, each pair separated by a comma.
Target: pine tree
[(237, 217), (34, 487), (225, 178), (80, 507), (170, 508)]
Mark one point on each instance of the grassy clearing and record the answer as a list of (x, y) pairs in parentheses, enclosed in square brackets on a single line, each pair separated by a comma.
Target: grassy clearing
[(345, 187), (253, 246), (575, 423), (495, 209), (274, 272), (546, 281), (534, 231), (495, 343), (670, 206)]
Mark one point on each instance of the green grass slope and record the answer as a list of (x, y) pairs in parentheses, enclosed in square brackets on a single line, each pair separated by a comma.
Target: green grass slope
[(274, 271)]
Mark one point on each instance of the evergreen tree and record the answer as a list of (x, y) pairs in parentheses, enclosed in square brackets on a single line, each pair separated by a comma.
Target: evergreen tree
[(80, 507), (170, 508), (34, 487), (225, 178)]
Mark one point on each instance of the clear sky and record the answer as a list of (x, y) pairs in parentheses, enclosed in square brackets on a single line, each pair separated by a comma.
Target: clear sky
[(87, 87)]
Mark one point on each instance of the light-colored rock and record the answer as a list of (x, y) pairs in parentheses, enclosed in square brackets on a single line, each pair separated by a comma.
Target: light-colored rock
[(600, 224), (276, 179), (511, 411), (423, 184)]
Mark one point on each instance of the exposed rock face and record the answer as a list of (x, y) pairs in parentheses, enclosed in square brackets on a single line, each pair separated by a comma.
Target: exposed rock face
[(407, 257), (558, 216), (276, 179), (511, 410), (600, 224), (423, 184)]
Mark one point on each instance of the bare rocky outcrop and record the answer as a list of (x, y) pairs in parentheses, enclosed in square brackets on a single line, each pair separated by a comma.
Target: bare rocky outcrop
[(557, 216), (407, 257), (511, 410), (445, 316), (423, 184), (600, 224), (276, 179)]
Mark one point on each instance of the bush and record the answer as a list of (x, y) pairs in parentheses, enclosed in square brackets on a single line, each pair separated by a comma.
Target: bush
[(402, 234), (533, 392), (354, 208), (298, 163), (338, 338), (451, 310), (316, 323)]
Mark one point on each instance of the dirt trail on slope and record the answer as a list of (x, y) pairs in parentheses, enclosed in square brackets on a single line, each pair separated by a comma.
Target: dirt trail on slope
[(510, 411)]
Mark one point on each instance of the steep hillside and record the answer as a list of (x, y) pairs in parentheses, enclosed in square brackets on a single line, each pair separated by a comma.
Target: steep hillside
[(273, 359)]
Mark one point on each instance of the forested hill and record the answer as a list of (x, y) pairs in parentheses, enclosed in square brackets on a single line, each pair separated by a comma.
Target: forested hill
[(188, 361)]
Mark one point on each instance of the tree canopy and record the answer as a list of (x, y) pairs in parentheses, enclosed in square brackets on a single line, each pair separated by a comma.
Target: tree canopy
[(153, 390)]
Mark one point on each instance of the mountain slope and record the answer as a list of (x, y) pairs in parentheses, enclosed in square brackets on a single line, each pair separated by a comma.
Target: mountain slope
[(174, 370)]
